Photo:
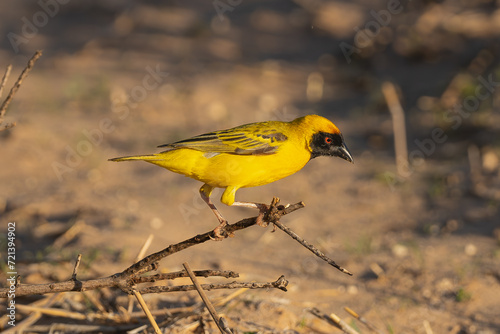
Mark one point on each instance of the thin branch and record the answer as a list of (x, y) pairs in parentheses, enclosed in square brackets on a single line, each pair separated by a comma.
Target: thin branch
[(311, 247), (281, 283), (72, 328), (180, 274), (17, 84), (219, 321)]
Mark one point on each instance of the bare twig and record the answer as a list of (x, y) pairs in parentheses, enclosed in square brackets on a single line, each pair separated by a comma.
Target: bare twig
[(17, 84), (362, 320), (399, 127), (75, 269), (72, 328), (311, 247), (281, 283), (179, 274), (5, 78), (211, 309), (145, 308)]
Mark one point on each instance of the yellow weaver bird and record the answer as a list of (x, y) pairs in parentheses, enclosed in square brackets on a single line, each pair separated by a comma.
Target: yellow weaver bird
[(249, 155)]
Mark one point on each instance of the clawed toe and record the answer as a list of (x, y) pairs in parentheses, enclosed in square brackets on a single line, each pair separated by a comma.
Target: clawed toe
[(220, 233)]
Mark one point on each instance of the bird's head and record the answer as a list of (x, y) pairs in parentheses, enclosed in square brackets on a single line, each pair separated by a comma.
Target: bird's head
[(325, 138)]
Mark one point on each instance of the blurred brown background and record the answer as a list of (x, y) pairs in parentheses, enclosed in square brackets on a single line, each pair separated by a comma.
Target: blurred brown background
[(121, 77)]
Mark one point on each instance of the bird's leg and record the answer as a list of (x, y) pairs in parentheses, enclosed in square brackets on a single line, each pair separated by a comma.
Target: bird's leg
[(263, 208), (219, 232)]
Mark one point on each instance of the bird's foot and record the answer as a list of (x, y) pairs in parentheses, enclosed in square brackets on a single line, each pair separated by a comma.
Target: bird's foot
[(261, 218), (269, 213), (220, 233)]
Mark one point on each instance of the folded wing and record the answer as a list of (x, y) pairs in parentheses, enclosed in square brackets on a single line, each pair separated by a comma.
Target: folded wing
[(251, 139)]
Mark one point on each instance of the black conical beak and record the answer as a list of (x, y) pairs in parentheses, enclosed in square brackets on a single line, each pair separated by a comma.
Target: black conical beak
[(343, 152)]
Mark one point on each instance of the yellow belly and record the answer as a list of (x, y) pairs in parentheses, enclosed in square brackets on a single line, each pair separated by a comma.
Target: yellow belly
[(231, 170)]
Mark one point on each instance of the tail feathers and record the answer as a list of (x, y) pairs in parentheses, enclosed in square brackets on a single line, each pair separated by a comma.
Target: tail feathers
[(151, 157)]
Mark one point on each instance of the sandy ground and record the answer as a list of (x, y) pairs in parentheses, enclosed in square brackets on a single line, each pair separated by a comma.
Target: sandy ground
[(121, 79)]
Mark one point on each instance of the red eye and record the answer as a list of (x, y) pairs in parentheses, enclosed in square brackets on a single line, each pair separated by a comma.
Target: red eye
[(328, 140)]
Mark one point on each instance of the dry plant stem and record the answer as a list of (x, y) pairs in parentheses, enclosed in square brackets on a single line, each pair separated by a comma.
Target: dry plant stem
[(311, 247), (18, 83), (70, 328), (365, 322), (342, 324), (5, 78), (75, 269), (281, 283), (144, 247), (427, 327), (334, 320), (211, 309), (54, 312), (399, 127), (145, 308)]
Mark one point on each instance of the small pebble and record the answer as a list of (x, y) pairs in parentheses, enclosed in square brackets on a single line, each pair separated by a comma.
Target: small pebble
[(470, 250)]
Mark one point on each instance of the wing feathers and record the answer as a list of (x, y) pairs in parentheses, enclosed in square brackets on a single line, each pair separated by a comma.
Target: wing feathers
[(244, 140)]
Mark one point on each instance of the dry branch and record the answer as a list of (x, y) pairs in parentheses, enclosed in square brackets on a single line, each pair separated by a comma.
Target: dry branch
[(127, 278), (311, 247), (17, 84), (281, 283), (180, 274), (130, 277)]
